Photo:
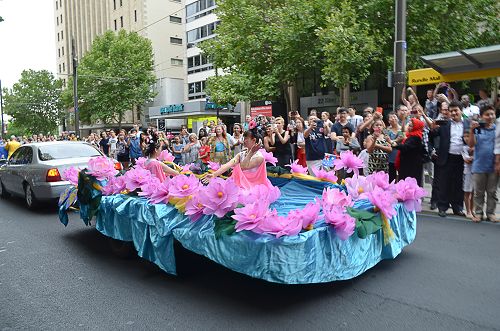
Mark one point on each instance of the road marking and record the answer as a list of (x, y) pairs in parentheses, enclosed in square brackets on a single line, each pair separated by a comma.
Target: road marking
[(2, 250)]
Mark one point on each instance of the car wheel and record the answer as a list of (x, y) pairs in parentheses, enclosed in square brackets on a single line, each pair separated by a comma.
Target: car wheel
[(3, 193), (29, 197)]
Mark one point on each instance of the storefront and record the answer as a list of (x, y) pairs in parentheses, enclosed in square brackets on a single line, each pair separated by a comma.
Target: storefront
[(331, 101), (192, 114)]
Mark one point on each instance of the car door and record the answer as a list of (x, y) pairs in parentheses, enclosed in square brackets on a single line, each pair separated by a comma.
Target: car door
[(8, 179), (22, 171)]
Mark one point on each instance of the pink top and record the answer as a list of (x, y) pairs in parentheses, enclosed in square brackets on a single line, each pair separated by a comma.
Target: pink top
[(251, 177), (156, 169)]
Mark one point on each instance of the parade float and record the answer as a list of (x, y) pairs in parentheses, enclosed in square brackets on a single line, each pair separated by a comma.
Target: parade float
[(301, 229)]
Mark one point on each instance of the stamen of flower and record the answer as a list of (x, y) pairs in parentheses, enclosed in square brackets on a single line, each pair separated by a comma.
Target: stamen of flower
[(185, 186), (220, 194)]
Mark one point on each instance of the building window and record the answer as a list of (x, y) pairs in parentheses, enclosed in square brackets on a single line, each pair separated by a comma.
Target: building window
[(175, 19), (116, 27), (174, 40), (60, 68), (121, 3), (135, 15), (196, 89), (60, 3), (199, 6), (62, 35), (198, 63), (62, 50), (61, 19), (201, 32), (58, 37), (58, 52), (64, 67), (114, 4), (57, 20), (57, 7), (176, 62), (121, 21)]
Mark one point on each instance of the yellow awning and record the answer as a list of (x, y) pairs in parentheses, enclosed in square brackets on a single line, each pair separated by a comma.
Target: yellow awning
[(428, 76)]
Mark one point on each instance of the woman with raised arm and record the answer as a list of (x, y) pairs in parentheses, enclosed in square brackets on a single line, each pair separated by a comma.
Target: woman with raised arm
[(157, 168), (249, 166)]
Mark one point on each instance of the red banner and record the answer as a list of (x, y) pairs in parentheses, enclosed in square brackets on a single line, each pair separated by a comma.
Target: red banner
[(261, 110)]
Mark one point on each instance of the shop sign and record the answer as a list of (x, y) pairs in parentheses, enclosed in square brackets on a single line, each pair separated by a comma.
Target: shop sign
[(171, 109), (261, 110)]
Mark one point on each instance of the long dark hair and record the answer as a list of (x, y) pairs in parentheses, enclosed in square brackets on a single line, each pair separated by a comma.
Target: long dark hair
[(253, 134), (153, 143)]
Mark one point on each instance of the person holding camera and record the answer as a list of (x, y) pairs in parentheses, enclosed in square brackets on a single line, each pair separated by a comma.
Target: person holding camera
[(134, 145), (482, 139), (316, 136)]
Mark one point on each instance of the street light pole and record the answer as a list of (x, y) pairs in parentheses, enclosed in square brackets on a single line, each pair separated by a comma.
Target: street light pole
[(75, 89), (399, 52), (1, 110)]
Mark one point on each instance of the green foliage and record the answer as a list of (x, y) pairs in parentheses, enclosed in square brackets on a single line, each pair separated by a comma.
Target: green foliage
[(224, 227), (115, 76), (34, 102), (347, 44), (367, 222)]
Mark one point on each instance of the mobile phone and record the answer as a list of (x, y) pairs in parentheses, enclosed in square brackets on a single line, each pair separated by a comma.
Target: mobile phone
[(441, 122)]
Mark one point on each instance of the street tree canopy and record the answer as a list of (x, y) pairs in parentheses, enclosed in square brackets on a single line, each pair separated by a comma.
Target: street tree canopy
[(115, 76), (35, 102)]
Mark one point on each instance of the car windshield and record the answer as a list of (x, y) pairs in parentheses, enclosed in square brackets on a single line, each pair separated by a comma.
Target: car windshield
[(66, 151)]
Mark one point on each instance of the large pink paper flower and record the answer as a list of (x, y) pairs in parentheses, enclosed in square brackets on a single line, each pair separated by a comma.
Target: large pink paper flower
[(358, 187), (263, 193), (219, 197), (249, 217), (348, 161), (187, 168), (380, 179), (139, 163), (118, 183), (166, 156), (271, 224), (102, 168), (292, 226), (343, 223), (136, 177), (308, 215), (214, 165), (335, 198), (183, 186), (268, 157), (384, 201), (149, 187), (71, 175), (161, 193), (194, 208), (108, 189), (325, 175), (410, 194), (296, 168)]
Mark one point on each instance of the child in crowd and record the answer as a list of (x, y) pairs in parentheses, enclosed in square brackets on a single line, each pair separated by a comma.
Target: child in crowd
[(177, 150), (468, 187), (363, 155), (204, 153)]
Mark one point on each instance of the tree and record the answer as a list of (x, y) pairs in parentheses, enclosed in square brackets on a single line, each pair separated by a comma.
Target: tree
[(35, 102), (346, 45), (115, 76)]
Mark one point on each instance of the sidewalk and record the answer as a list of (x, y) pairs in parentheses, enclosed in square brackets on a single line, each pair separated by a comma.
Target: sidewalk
[(426, 203)]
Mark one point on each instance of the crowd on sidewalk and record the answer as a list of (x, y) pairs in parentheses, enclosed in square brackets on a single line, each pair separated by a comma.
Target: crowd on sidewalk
[(454, 141)]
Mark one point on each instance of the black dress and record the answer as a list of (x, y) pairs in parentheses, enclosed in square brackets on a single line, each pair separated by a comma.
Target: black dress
[(283, 152), (411, 159)]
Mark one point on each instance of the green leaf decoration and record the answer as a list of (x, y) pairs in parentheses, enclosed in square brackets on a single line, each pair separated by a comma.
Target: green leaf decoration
[(367, 222), (224, 227)]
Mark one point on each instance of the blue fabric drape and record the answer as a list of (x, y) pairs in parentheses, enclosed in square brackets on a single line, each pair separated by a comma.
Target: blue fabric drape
[(310, 257)]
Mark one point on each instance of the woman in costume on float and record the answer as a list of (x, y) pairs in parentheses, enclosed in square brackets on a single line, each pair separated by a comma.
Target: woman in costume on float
[(157, 168), (249, 166)]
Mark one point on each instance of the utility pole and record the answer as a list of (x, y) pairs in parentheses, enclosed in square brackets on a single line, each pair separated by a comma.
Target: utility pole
[(399, 75), (75, 89), (1, 110)]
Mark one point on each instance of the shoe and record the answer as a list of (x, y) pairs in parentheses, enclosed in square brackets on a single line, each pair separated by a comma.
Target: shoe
[(442, 213), (476, 219), (492, 218), (433, 206), (459, 213)]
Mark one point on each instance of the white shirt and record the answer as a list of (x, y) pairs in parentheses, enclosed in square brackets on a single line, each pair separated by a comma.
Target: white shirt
[(471, 111), (497, 137), (456, 138), (355, 121)]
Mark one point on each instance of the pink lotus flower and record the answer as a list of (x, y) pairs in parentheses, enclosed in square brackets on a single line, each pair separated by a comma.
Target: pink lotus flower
[(102, 168), (136, 177), (183, 186), (271, 224), (348, 161), (166, 156), (308, 215), (410, 194), (249, 217), (380, 179), (296, 168), (118, 184), (139, 163), (343, 223), (108, 189), (187, 168), (161, 193), (71, 175), (292, 227), (384, 201), (335, 198), (149, 187), (263, 193), (214, 165), (268, 157), (325, 175), (219, 197), (194, 208), (358, 187)]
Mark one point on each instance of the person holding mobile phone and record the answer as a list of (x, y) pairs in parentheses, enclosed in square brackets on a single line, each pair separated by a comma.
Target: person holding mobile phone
[(394, 136)]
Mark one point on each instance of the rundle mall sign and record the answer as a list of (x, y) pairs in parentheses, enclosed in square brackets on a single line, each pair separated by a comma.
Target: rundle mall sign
[(429, 76), (171, 109)]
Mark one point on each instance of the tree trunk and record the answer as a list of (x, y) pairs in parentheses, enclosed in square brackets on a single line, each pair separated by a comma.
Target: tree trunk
[(291, 97), (120, 119), (345, 95)]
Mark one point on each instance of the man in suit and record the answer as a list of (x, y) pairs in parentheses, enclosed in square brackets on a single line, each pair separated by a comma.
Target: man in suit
[(450, 161)]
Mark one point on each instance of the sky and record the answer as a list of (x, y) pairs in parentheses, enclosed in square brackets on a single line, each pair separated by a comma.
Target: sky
[(27, 38)]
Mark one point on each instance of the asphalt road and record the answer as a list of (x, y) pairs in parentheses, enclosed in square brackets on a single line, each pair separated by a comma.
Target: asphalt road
[(54, 278)]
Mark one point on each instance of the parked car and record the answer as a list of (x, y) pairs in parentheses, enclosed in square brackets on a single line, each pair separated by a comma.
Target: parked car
[(34, 170)]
